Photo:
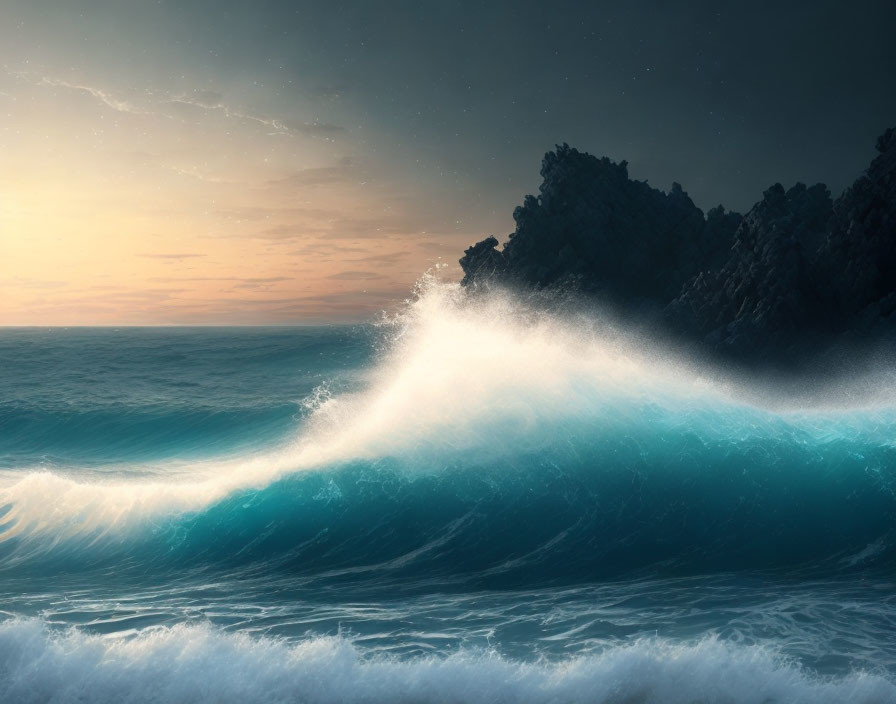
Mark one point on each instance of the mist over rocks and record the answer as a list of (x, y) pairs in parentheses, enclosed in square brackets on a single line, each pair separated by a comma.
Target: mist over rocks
[(798, 276)]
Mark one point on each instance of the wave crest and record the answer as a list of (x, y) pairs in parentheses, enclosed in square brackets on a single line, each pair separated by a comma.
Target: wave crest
[(487, 386)]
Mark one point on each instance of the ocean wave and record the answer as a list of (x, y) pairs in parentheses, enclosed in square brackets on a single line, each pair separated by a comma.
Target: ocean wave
[(203, 664), (491, 439)]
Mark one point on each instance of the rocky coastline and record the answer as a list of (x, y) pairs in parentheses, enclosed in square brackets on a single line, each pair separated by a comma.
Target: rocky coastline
[(797, 276)]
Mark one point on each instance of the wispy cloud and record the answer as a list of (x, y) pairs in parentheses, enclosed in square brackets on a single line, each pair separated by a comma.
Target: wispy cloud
[(384, 259), (187, 255), (21, 282), (101, 95), (194, 172), (206, 100), (156, 102), (315, 129), (276, 125), (260, 282), (342, 171), (325, 248), (382, 226), (240, 280), (356, 276)]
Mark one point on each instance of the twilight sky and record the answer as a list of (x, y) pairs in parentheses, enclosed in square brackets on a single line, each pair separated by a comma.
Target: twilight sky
[(220, 162)]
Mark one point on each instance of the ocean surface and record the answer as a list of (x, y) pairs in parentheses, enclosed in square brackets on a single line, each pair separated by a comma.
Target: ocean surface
[(467, 501)]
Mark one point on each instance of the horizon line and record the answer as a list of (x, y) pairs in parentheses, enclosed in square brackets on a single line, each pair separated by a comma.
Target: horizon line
[(183, 325)]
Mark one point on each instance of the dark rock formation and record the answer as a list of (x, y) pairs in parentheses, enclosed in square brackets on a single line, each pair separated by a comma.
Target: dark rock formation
[(793, 276), (859, 254), (613, 236), (765, 289), (482, 261)]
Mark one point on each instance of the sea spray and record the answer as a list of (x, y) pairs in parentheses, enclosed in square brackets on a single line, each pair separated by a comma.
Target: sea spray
[(514, 441), (481, 495)]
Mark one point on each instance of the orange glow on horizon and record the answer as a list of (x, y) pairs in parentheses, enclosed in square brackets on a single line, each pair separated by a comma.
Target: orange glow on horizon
[(148, 207)]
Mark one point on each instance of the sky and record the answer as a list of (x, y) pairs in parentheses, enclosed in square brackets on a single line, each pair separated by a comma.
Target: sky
[(305, 162)]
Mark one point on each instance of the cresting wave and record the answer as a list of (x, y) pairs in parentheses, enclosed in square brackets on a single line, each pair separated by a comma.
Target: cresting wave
[(492, 440), (202, 664)]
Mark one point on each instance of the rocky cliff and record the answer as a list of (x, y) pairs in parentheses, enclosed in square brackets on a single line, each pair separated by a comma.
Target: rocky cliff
[(798, 274)]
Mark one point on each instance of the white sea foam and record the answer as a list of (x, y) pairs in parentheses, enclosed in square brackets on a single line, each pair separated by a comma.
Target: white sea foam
[(202, 664)]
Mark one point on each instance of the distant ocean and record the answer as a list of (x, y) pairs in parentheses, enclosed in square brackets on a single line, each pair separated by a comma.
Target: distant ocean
[(467, 502)]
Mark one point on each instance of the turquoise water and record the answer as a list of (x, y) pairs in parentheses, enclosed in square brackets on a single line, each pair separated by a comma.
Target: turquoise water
[(464, 503)]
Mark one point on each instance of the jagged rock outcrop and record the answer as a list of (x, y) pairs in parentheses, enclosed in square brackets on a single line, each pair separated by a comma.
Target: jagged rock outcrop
[(482, 261), (859, 255), (796, 273), (766, 288), (593, 226)]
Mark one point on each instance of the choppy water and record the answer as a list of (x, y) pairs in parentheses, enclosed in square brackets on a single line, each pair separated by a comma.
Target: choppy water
[(471, 503)]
